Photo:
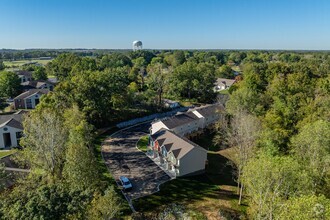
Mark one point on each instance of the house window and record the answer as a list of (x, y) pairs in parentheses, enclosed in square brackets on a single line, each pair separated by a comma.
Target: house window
[(5, 129), (19, 134)]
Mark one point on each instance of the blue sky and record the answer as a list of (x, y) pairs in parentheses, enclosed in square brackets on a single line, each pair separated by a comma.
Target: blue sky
[(166, 24)]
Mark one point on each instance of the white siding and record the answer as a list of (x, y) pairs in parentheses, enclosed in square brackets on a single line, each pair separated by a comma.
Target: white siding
[(157, 126), (33, 100), (12, 131), (188, 128)]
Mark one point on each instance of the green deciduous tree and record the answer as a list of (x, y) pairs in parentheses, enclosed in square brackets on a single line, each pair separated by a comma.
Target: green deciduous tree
[(44, 142), (305, 208), (242, 135), (157, 80), (312, 149), (270, 181), (79, 166), (39, 73), (192, 80), (9, 84), (62, 65), (105, 206), (226, 72)]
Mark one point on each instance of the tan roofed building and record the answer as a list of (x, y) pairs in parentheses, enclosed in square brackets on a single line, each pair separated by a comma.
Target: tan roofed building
[(177, 155)]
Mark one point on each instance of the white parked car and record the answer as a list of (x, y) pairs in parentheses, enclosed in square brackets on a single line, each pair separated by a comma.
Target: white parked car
[(127, 185)]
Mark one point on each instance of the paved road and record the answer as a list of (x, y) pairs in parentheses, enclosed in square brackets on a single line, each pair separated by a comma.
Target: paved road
[(124, 159)]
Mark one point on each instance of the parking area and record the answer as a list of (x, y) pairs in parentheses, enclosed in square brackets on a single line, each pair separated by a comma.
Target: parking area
[(124, 159)]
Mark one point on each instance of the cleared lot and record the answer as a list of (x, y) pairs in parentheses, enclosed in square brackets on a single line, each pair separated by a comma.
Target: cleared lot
[(124, 159)]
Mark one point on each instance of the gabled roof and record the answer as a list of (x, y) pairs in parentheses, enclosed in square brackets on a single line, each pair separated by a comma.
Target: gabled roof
[(53, 80), (208, 110), (226, 82), (179, 119), (179, 146), (31, 92), (168, 146), (24, 73), (36, 83), (12, 120)]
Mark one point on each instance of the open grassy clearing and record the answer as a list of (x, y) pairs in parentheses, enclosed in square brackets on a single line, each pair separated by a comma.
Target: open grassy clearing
[(142, 144), (22, 62), (4, 153), (208, 193)]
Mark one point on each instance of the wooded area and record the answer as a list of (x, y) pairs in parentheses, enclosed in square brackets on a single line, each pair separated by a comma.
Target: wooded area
[(277, 120)]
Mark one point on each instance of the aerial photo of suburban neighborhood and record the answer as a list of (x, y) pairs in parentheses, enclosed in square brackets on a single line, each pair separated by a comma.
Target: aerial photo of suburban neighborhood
[(165, 110)]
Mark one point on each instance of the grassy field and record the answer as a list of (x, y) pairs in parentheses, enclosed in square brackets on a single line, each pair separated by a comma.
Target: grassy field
[(21, 62), (142, 144), (209, 194), (4, 153)]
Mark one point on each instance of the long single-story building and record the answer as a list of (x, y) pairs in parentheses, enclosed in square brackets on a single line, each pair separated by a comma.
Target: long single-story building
[(176, 154)]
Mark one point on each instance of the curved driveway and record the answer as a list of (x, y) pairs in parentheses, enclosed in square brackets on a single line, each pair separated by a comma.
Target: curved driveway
[(124, 159)]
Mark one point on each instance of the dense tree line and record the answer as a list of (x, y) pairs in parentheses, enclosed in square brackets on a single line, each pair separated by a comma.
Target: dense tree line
[(282, 143), (277, 122)]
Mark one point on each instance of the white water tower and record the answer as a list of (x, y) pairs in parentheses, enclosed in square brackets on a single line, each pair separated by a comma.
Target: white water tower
[(137, 45)]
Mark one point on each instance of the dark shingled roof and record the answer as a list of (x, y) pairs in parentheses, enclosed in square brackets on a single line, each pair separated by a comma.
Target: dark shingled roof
[(161, 141), (36, 83), (168, 146), (24, 73), (179, 119), (31, 92), (208, 110), (13, 120)]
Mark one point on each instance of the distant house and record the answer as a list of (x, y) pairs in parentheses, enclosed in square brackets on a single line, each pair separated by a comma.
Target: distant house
[(11, 129), (24, 75), (170, 103), (29, 99), (53, 80), (177, 155), (223, 84), (184, 124), (40, 84)]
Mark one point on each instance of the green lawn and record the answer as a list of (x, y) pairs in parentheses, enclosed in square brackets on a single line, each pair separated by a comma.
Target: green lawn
[(21, 62), (142, 144), (207, 193), (4, 153)]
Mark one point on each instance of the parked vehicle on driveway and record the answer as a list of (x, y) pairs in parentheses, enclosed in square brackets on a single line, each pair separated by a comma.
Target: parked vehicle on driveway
[(125, 182)]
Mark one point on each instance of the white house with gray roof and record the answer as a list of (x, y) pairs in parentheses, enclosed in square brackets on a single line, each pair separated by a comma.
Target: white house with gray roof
[(223, 84), (176, 154), (11, 129)]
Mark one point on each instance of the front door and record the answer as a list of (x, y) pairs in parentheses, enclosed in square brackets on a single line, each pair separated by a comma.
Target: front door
[(36, 102), (7, 139)]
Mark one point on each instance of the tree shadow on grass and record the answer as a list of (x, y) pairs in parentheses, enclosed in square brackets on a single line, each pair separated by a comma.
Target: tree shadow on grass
[(190, 189), (220, 169)]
